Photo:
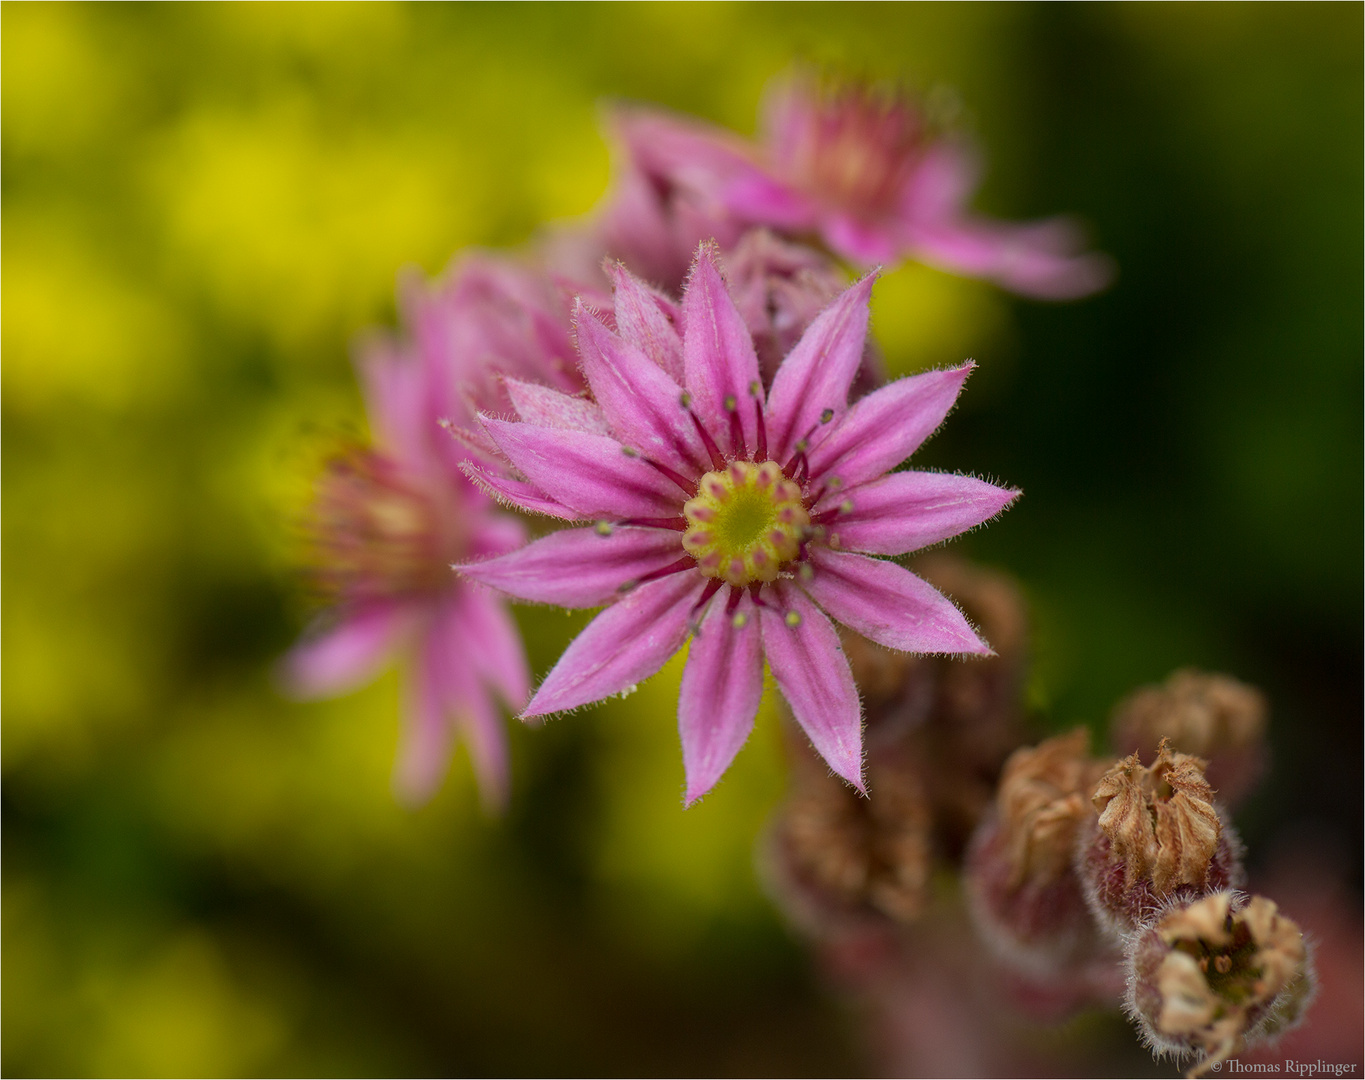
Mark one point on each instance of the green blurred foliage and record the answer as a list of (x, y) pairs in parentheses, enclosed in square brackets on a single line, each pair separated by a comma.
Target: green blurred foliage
[(203, 204)]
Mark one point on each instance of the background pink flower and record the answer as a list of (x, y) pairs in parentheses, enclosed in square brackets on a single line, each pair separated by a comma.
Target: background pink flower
[(389, 521), (859, 167)]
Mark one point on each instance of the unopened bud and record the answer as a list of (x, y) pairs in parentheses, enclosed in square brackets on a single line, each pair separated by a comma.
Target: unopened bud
[(779, 288), (1024, 894), (975, 715), (1213, 976), (1158, 838), (836, 855), (1211, 716)]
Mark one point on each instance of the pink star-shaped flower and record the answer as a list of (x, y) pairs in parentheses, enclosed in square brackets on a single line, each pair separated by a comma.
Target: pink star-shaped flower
[(858, 167), (390, 519), (744, 516)]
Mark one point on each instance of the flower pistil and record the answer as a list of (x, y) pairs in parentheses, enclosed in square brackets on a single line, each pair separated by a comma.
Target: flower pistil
[(746, 523)]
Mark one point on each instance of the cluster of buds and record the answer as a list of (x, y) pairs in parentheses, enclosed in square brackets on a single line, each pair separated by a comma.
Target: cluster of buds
[(937, 732), (1089, 862), (1090, 880)]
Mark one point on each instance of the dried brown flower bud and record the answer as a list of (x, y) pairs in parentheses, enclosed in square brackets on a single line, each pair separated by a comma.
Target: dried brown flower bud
[(1024, 894), (1157, 834), (961, 719), (1160, 820), (1212, 716), (836, 855), (1215, 975), (1042, 801)]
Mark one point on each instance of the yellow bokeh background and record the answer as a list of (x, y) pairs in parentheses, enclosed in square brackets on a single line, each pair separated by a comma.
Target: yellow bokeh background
[(203, 206)]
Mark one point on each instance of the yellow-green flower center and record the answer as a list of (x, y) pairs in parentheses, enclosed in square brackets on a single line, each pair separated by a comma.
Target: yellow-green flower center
[(746, 522)]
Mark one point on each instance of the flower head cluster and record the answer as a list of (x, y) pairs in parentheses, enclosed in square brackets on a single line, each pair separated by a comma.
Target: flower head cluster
[(744, 515)]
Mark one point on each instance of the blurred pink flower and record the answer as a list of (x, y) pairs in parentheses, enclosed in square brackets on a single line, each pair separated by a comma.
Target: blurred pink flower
[(388, 522), (699, 479), (857, 166)]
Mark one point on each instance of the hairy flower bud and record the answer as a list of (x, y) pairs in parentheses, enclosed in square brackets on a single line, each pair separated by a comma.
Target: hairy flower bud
[(837, 855), (1216, 975), (1158, 837), (1212, 716), (780, 287), (1024, 894)]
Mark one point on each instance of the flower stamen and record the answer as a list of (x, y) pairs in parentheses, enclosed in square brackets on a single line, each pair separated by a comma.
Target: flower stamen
[(676, 524), (686, 485), (672, 568), (712, 587), (717, 458)]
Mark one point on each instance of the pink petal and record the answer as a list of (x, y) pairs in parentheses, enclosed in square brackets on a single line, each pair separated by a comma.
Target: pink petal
[(889, 605), (579, 568), (481, 724), (722, 686), (443, 695), (347, 656), (648, 320), (866, 243), (517, 494), (428, 730), (886, 427), (758, 198), (638, 227), (593, 475), (395, 398), (906, 511), (943, 181), (496, 534), (811, 670), (719, 357), (791, 108), (494, 645), (684, 151), (1039, 260), (642, 403), (811, 386), (628, 642), (549, 408)]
